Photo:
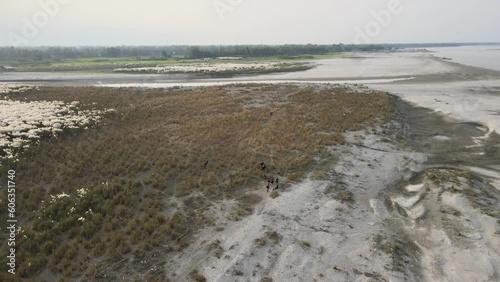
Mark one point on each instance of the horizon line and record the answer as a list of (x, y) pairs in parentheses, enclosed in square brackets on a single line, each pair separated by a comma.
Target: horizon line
[(257, 44)]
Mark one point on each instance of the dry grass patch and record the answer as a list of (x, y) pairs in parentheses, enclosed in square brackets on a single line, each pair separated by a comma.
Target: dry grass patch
[(217, 249), (270, 236), (196, 276), (274, 194), (305, 244), (153, 168)]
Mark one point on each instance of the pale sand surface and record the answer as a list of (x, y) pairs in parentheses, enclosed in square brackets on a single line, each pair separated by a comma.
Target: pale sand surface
[(319, 237), (476, 101), (411, 220)]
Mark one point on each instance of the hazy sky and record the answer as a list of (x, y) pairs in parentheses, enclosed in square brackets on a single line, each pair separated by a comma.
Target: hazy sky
[(175, 22)]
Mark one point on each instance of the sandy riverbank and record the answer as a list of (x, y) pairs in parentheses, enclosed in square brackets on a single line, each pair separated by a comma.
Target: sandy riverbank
[(363, 67), (426, 200), (417, 200), (417, 212)]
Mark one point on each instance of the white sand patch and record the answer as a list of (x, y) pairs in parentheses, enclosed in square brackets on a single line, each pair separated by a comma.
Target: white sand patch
[(476, 101), (416, 212), (485, 172), (441, 138), (230, 58), (407, 202), (313, 238), (478, 141), (379, 208), (218, 82), (457, 241), (414, 188), (412, 206), (370, 65), (451, 262)]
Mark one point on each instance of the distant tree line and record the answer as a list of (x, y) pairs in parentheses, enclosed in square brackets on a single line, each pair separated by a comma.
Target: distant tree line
[(46, 53), (192, 52), (259, 50), (195, 52)]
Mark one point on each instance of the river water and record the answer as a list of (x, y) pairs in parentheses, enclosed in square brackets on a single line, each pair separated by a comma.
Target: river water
[(476, 56)]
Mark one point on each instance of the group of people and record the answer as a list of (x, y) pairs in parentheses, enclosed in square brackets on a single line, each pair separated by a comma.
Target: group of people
[(270, 181)]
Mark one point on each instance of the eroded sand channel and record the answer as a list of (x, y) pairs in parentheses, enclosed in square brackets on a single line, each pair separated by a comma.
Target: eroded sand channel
[(451, 208)]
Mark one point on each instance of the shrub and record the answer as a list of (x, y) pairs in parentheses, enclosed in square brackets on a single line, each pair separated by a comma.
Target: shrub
[(196, 276), (305, 244)]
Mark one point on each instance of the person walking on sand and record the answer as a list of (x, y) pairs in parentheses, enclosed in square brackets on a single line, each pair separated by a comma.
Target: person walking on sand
[(267, 187)]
